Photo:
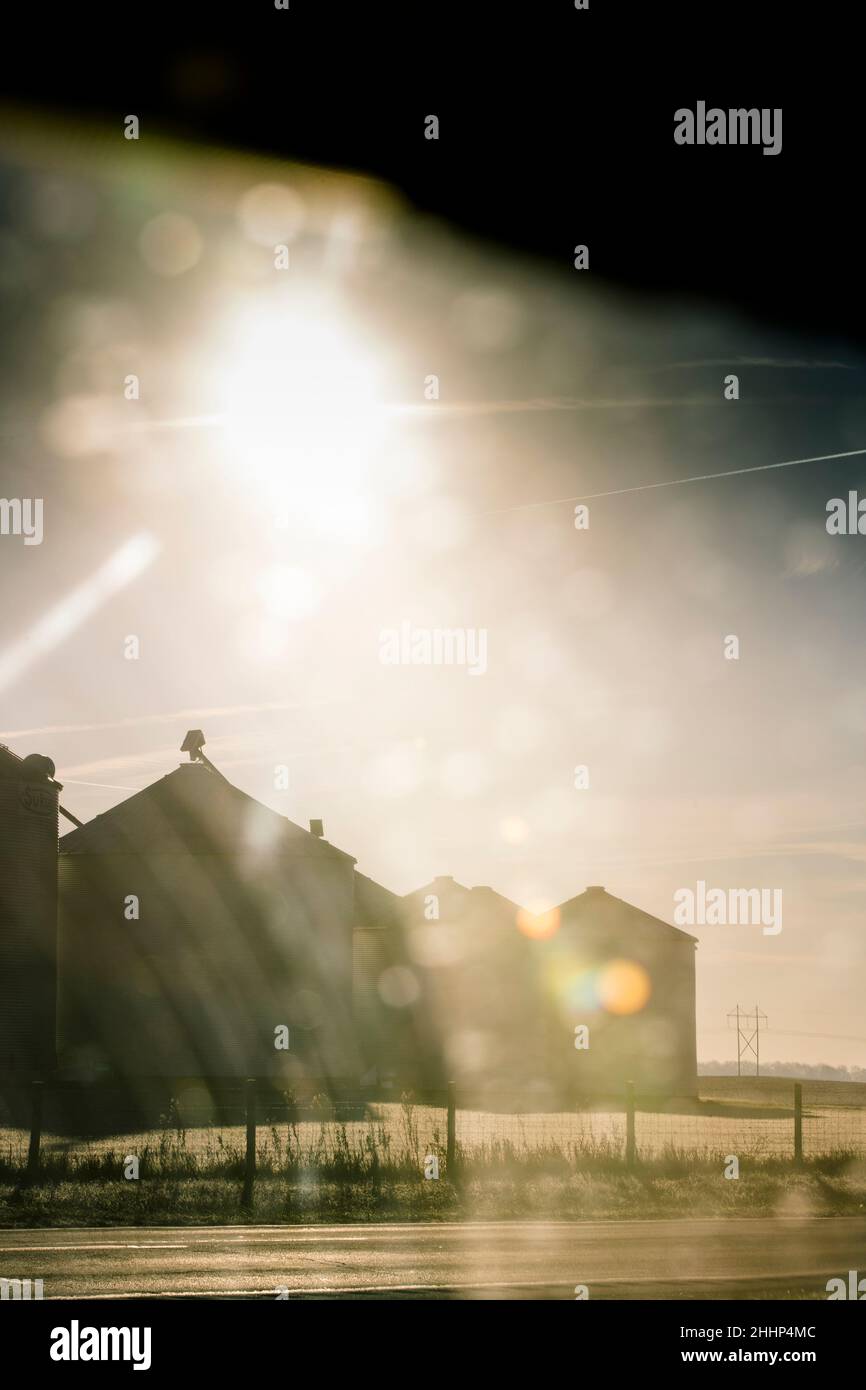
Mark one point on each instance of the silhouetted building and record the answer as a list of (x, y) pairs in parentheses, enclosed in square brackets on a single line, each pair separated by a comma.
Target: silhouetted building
[(196, 927), (574, 1001), (628, 978), (399, 1042), (477, 969), (28, 915), (203, 935)]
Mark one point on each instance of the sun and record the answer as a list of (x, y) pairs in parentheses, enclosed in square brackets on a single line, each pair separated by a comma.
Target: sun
[(301, 410)]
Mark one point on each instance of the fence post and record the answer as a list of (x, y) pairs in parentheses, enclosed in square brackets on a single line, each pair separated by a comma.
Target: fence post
[(250, 1165), (36, 1094), (630, 1146), (451, 1149), (798, 1123)]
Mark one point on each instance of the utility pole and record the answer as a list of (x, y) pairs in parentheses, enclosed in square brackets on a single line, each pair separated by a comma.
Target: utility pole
[(748, 1035)]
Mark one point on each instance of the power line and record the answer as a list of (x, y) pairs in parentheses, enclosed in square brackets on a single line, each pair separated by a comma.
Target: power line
[(791, 1033)]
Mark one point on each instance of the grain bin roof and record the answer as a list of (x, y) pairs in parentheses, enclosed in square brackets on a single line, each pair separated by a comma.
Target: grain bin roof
[(458, 901), (376, 907), (197, 811), (10, 766), (34, 768), (596, 907)]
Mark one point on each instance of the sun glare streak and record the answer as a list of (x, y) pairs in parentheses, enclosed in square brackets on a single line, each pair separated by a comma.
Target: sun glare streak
[(55, 626)]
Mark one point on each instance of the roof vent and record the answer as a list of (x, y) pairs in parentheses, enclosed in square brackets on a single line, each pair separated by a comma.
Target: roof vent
[(193, 744), (317, 828)]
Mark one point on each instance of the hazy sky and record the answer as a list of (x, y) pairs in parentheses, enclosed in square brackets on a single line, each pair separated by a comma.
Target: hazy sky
[(282, 491)]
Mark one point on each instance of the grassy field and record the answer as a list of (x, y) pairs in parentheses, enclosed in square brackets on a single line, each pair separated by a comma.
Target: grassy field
[(777, 1090), (574, 1197)]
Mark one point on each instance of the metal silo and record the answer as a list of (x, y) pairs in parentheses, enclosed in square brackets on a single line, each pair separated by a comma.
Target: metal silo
[(28, 915)]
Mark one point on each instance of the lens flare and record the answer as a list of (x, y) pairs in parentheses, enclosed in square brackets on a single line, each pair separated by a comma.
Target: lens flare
[(623, 987), (581, 990), (539, 926)]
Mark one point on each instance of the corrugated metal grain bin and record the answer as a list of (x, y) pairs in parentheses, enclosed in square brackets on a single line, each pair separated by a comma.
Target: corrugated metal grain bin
[(198, 930), (28, 915)]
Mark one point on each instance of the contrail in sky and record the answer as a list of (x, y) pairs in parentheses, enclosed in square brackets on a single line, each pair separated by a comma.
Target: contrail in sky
[(675, 482), (171, 717)]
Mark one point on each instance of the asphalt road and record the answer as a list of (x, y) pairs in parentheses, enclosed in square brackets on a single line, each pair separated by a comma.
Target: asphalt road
[(782, 1257)]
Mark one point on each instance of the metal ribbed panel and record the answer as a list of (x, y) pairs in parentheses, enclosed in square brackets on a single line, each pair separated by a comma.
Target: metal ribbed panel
[(28, 926)]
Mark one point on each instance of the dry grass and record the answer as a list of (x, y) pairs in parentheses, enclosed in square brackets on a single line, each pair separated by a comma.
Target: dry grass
[(750, 1118), (357, 1163), (546, 1188)]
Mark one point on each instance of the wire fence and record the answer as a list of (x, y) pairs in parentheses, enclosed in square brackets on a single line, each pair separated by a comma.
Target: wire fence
[(254, 1132)]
